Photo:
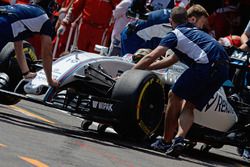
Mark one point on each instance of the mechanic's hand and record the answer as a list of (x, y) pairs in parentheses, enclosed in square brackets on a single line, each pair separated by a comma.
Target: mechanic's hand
[(61, 30), (117, 77), (54, 83), (62, 13), (29, 75)]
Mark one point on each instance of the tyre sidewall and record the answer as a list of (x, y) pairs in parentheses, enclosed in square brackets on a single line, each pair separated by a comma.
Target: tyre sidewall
[(130, 89), (10, 66)]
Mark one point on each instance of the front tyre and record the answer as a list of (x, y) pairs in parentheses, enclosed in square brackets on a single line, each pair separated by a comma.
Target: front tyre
[(142, 96), (9, 66)]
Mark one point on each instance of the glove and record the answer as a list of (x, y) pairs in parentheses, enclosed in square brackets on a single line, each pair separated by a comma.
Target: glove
[(61, 30), (62, 14)]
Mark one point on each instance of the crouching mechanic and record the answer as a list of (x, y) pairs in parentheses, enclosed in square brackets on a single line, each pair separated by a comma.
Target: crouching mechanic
[(208, 69), (18, 22), (148, 33)]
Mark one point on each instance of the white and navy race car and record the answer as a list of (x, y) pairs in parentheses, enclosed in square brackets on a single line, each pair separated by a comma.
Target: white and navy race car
[(134, 103)]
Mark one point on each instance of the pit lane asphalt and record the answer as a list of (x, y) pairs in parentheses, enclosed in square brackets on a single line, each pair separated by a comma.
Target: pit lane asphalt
[(35, 135)]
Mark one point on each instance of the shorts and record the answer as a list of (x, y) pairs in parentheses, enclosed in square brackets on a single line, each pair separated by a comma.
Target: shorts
[(197, 86)]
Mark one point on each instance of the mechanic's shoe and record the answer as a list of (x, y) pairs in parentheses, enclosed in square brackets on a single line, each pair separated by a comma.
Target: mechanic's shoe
[(131, 28), (240, 151), (29, 76), (236, 137), (131, 14), (246, 154), (177, 147), (160, 145)]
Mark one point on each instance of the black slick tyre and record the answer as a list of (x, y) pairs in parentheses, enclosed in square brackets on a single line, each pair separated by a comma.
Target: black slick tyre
[(142, 96), (9, 66)]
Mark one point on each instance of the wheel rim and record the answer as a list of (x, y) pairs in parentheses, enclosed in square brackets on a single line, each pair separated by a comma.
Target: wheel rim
[(149, 108)]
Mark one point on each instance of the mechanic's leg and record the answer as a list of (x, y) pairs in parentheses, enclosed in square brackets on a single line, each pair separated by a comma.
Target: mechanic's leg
[(172, 112), (185, 119), (171, 116), (184, 123)]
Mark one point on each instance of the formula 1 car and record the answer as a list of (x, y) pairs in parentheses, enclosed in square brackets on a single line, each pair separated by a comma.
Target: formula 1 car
[(133, 104), (225, 120), (10, 71)]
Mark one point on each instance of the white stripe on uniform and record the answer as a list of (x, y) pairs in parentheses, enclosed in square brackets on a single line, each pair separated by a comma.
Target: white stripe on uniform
[(190, 48), (33, 24)]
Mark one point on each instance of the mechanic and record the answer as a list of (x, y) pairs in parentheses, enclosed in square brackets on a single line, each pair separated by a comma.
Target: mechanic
[(245, 38), (224, 20), (96, 22), (120, 21), (62, 39), (147, 34), (208, 69), (18, 22)]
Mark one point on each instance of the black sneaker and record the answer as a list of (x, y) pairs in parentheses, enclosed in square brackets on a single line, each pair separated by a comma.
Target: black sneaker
[(176, 148), (160, 145), (131, 14), (246, 154), (240, 150)]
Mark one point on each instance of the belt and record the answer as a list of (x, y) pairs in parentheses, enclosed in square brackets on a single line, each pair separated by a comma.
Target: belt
[(96, 25)]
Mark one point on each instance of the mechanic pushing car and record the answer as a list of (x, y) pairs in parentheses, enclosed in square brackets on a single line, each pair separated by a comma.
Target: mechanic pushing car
[(208, 69), (18, 22)]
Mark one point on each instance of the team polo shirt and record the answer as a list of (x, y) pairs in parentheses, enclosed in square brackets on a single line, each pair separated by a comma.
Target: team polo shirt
[(21, 21), (193, 45)]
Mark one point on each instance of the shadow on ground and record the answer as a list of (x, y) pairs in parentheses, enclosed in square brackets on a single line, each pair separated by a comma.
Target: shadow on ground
[(114, 140)]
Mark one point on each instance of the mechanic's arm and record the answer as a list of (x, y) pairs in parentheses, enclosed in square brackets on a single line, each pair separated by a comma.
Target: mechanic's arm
[(147, 60), (46, 52), (76, 10), (73, 13), (164, 63), (245, 46), (246, 34), (20, 57), (244, 37), (121, 9)]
